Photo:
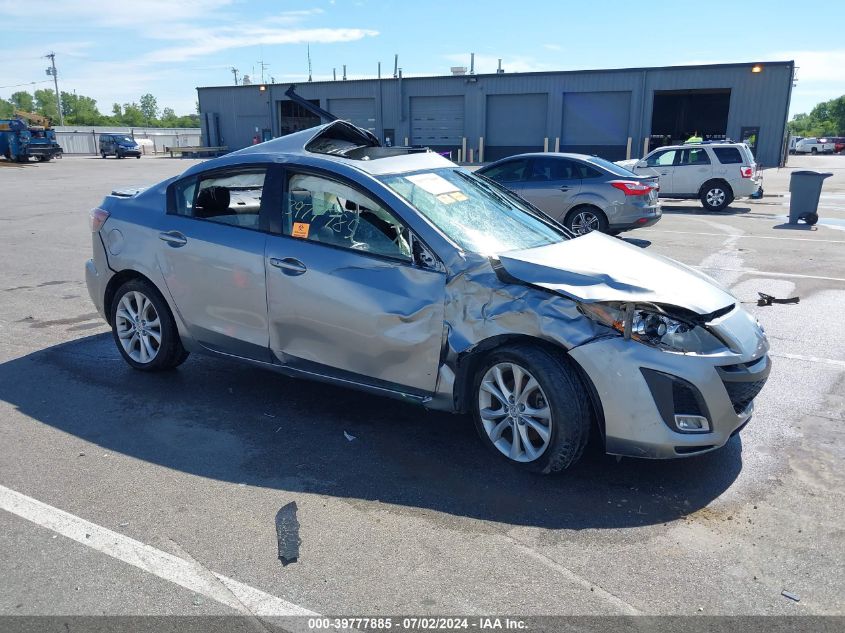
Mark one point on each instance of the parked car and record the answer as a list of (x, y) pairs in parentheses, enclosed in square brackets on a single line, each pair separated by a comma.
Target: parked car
[(390, 270), (119, 145), (838, 144), (793, 141), (813, 145), (714, 173), (584, 193)]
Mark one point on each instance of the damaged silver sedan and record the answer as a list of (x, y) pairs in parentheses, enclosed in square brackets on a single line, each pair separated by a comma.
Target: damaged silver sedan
[(394, 271)]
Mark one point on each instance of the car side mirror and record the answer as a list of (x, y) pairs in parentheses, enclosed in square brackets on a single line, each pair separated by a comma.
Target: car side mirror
[(641, 163)]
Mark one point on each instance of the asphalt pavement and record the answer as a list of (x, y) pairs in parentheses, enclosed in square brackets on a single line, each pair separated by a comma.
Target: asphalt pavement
[(125, 493)]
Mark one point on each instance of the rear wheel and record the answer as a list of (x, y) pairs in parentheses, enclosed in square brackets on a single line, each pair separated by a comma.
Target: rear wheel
[(814, 150), (586, 219), (143, 328), (531, 409), (715, 195)]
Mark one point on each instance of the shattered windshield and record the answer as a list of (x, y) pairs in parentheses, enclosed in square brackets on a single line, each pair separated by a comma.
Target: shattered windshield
[(476, 214)]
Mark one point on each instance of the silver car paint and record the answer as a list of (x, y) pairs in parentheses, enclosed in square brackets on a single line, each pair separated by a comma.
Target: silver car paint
[(423, 323), (622, 211)]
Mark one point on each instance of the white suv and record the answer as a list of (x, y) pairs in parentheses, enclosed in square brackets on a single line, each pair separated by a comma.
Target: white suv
[(715, 173)]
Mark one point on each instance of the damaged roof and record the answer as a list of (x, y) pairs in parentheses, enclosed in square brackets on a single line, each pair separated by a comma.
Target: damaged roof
[(340, 142)]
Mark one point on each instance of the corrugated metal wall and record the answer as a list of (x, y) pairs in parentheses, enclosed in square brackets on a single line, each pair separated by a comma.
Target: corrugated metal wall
[(757, 100), (85, 140)]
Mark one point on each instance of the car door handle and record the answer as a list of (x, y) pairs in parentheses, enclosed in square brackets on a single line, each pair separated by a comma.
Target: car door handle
[(289, 265), (173, 238)]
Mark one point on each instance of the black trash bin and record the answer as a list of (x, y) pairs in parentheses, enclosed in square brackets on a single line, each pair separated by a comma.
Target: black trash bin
[(805, 187)]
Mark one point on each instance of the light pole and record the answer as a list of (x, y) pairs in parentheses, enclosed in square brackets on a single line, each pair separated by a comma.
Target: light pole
[(52, 71)]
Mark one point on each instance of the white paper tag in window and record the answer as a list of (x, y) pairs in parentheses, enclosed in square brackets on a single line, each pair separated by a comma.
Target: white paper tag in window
[(432, 183)]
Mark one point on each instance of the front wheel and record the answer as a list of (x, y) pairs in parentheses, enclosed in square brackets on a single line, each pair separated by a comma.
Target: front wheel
[(143, 328), (583, 220), (715, 196), (103, 154), (531, 409)]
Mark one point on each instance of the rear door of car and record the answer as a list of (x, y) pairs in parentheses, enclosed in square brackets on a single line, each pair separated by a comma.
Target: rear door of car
[(692, 170), (552, 183), (211, 255), (346, 296)]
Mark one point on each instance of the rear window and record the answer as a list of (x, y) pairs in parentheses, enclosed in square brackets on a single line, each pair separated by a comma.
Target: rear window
[(613, 168), (728, 155)]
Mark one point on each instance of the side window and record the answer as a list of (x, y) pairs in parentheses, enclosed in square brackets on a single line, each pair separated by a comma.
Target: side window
[(228, 197), (588, 172), (510, 171), (322, 210), (543, 169), (728, 155), (694, 156), (662, 159)]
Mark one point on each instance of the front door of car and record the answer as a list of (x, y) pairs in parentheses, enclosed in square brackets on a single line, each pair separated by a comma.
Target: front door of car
[(510, 173), (552, 184), (692, 170), (662, 164), (211, 254), (345, 293)]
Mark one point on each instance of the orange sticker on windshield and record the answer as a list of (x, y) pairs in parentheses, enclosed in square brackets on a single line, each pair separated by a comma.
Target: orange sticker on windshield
[(459, 196), (300, 229)]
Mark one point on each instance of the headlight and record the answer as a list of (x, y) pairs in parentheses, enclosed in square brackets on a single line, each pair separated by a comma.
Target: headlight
[(651, 325)]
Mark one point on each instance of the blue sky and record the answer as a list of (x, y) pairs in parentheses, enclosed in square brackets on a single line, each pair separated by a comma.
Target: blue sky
[(116, 50)]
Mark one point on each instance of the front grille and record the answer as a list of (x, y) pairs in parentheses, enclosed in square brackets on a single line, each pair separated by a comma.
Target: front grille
[(742, 393)]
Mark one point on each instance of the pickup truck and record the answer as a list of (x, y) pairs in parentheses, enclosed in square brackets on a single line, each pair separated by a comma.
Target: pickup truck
[(814, 145)]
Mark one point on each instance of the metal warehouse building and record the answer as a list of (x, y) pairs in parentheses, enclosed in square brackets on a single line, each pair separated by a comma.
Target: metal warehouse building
[(615, 114)]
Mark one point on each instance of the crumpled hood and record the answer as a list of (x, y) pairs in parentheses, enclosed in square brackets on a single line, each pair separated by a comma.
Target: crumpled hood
[(596, 267)]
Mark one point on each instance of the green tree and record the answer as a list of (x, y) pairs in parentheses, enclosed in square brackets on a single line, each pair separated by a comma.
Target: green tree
[(7, 109), (22, 100), (133, 116), (80, 110), (825, 119), (149, 108), (45, 103), (116, 111)]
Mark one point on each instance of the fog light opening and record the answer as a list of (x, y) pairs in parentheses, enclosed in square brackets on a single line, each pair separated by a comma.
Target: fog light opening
[(692, 423)]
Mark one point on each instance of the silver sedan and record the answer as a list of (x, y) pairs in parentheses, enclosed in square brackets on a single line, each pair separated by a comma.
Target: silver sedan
[(584, 193), (325, 256)]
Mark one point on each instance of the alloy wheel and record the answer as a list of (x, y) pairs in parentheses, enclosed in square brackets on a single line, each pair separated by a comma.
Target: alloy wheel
[(138, 327), (515, 412), (715, 197), (585, 222)]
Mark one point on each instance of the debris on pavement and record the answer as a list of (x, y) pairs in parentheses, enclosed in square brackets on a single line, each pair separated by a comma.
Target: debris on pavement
[(767, 300), (287, 533), (349, 436), (790, 595)]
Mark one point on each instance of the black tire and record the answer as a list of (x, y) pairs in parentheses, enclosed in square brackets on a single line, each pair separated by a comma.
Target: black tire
[(810, 218), (103, 154), (170, 353), (22, 158), (715, 195), (119, 154), (566, 397), (138, 156), (573, 219), (814, 150)]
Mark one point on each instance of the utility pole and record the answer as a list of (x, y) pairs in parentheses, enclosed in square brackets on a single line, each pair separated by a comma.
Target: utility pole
[(309, 62), (235, 73), (263, 66), (52, 71)]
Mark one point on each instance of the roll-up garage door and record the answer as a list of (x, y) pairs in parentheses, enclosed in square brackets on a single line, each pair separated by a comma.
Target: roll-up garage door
[(358, 111), (437, 122), (596, 123), (515, 124)]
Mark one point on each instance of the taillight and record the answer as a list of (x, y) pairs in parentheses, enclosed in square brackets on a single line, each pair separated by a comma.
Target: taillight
[(746, 172), (632, 187), (97, 218)]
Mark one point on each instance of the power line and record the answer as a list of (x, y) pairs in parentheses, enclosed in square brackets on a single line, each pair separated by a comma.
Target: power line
[(28, 83)]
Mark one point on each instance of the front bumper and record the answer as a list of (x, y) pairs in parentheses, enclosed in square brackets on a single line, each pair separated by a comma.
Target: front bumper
[(639, 421)]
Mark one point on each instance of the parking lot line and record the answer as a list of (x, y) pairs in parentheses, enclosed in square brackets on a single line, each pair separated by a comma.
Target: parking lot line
[(187, 574), (810, 359), (759, 237), (766, 273)]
